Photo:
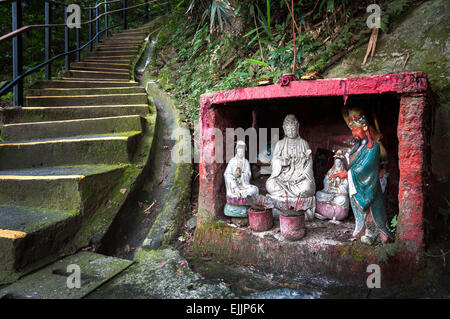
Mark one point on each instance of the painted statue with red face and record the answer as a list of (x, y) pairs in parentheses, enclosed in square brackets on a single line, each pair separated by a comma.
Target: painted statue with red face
[(366, 196)]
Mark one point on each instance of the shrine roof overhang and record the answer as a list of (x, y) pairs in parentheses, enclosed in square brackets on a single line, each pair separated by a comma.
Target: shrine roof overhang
[(398, 83)]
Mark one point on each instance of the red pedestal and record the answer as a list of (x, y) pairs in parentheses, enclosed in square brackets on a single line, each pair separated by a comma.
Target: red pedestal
[(260, 220), (293, 227)]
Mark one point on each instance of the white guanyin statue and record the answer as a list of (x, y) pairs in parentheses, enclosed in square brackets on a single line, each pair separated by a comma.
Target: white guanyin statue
[(292, 180), (332, 201), (237, 178)]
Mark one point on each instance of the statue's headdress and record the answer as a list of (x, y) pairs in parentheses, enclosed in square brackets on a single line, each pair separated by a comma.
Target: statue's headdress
[(339, 154), (240, 144), (360, 121)]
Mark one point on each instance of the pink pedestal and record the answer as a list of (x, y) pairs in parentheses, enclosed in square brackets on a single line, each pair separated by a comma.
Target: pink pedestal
[(292, 228), (328, 211), (260, 220)]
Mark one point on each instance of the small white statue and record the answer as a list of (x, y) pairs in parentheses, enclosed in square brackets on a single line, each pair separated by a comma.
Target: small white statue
[(292, 178), (332, 201), (237, 177)]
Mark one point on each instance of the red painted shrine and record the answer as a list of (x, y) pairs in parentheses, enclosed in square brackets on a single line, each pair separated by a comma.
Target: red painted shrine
[(400, 105)]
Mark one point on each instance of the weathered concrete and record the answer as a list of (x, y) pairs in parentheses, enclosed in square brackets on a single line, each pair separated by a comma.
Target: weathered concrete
[(51, 282), (158, 274), (78, 127)]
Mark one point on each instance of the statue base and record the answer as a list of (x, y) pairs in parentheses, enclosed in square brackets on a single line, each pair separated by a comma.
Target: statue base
[(331, 211), (235, 210)]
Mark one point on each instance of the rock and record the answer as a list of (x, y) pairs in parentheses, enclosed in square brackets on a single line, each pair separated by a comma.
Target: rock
[(239, 221), (191, 223)]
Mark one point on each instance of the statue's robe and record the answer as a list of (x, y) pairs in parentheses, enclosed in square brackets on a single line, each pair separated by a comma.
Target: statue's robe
[(296, 178), (337, 196), (365, 191), (243, 182)]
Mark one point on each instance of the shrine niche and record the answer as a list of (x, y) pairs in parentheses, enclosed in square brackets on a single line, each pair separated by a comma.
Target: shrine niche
[(388, 112)]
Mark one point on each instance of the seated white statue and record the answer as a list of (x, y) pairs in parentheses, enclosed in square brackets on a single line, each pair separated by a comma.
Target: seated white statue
[(332, 201), (292, 178), (237, 177)]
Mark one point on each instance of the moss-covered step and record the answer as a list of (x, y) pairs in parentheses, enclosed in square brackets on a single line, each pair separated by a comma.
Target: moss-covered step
[(29, 234), (83, 64), (160, 274), (98, 69), (125, 38), (120, 46), (106, 98), (86, 100), (50, 129), (39, 114), (85, 91), (109, 55), (59, 187), (112, 53), (84, 83), (77, 150), (51, 281), (97, 74), (133, 49)]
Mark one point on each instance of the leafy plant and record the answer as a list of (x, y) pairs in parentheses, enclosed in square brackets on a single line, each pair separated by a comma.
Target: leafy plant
[(219, 11)]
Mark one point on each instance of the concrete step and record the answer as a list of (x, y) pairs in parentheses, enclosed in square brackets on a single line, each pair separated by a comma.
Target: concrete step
[(84, 83), (76, 150), (122, 75), (119, 46), (86, 100), (109, 59), (124, 66), (112, 53), (52, 129), (123, 41), (128, 37), (51, 281), (29, 234), (39, 114), (124, 49), (54, 187), (99, 69), (85, 91)]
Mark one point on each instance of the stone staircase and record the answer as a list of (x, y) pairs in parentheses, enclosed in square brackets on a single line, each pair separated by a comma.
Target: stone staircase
[(71, 155)]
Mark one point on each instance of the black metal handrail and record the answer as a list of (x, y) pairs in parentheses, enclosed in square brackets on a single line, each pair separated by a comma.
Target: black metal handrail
[(18, 75)]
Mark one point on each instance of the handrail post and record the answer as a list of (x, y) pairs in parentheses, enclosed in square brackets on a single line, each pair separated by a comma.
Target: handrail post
[(96, 23), (17, 53), (66, 40), (48, 39), (77, 40), (147, 13), (91, 45), (106, 19), (125, 22)]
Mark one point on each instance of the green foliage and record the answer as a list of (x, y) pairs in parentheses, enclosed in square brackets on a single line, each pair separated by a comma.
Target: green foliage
[(196, 61), (393, 224), (219, 11)]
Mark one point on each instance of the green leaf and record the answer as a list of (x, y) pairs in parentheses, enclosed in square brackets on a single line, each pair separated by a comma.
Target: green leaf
[(257, 62)]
